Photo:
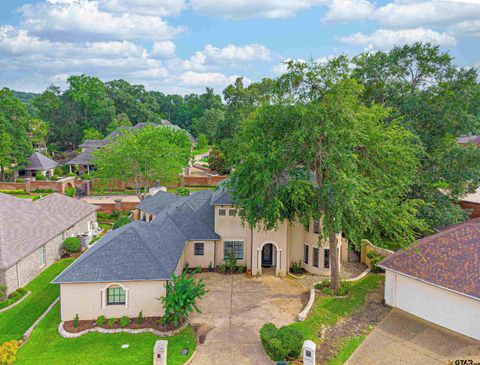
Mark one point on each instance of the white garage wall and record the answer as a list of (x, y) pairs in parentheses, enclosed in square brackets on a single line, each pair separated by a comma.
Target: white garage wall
[(439, 306)]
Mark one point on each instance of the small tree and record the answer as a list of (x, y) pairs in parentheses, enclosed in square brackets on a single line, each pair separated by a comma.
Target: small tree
[(217, 161), (8, 352), (121, 222), (202, 141), (72, 244), (181, 293)]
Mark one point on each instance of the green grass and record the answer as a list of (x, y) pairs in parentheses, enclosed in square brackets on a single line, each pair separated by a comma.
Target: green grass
[(46, 346), (200, 151), (205, 159), (329, 310), (105, 226), (15, 321), (348, 347)]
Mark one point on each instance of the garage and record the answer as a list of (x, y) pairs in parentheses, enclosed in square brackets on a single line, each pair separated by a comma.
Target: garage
[(437, 279)]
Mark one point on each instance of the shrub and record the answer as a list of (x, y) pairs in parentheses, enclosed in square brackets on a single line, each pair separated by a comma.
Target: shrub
[(182, 191), (140, 317), (70, 192), (111, 322), (296, 268), (12, 192), (8, 352), (222, 268), (41, 191), (3, 291), (100, 320), (21, 181), (210, 266), (40, 177), (55, 177), (231, 261), (121, 222), (240, 269), (124, 321), (344, 289), (72, 244), (327, 291), (58, 171), (76, 319), (102, 215), (72, 174), (281, 344), (375, 258), (86, 176)]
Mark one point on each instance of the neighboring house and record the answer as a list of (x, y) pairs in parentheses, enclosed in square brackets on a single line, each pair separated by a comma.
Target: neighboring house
[(468, 139), (471, 203), (32, 234), (39, 164), (125, 271), (438, 278), (84, 160)]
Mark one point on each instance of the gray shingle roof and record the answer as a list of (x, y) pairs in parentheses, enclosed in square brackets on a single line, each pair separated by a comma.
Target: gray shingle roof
[(222, 196), (157, 203), (137, 251), (84, 158), (25, 226), (95, 143), (39, 162)]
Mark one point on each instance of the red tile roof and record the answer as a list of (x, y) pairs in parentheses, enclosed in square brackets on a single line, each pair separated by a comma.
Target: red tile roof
[(449, 259)]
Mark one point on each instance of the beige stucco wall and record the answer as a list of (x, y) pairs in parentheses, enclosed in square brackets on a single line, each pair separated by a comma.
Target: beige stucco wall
[(29, 267), (202, 261), (230, 229), (86, 300)]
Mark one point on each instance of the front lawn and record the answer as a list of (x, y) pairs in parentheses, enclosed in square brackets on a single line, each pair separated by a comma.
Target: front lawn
[(348, 348), (46, 346), (15, 321)]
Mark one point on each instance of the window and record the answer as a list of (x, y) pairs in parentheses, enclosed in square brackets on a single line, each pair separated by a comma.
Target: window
[(305, 254), (315, 256), (235, 246), (115, 296), (326, 258), (199, 249), (42, 256), (221, 212), (232, 212), (316, 226)]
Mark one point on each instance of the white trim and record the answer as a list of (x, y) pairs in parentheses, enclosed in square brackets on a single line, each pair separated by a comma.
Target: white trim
[(104, 296)]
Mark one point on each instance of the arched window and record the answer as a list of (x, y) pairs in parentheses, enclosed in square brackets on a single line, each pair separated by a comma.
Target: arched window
[(116, 296)]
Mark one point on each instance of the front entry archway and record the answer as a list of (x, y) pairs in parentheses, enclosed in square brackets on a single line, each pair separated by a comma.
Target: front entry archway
[(267, 255)]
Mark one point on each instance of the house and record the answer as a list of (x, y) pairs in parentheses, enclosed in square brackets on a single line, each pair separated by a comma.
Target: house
[(32, 234), (465, 140), (39, 164), (125, 271), (438, 278), (83, 161)]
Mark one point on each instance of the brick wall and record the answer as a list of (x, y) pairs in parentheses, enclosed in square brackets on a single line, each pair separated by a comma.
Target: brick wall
[(110, 207), (30, 266), (474, 208)]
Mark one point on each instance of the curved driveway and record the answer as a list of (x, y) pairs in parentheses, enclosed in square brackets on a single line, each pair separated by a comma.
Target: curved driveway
[(235, 309)]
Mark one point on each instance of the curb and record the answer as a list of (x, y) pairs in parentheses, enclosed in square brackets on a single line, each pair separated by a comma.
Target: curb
[(65, 334)]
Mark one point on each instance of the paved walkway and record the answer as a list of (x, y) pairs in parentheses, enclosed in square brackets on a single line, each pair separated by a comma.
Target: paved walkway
[(403, 339), (234, 310)]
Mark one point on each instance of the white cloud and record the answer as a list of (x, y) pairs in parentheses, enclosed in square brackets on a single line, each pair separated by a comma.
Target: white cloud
[(205, 78), (244, 9), (83, 20), (387, 38), (282, 67), (468, 27), (163, 49), (346, 10), (249, 52), (145, 7)]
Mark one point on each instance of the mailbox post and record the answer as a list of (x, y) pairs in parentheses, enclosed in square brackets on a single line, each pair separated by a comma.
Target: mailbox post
[(160, 352), (308, 352)]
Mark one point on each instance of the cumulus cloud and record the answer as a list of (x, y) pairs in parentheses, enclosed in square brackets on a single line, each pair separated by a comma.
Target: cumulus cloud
[(387, 38), (84, 20), (244, 9), (145, 7), (206, 78), (163, 49), (346, 10)]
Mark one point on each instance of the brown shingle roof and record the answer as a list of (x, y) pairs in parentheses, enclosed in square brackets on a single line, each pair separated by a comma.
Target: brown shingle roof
[(449, 259), (25, 226)]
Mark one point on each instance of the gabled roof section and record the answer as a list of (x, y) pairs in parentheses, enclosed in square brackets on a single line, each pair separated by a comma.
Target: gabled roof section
[(93, 143), (84, 158), (449, 259), (25, 226), (221, 196), (157, 203), (137, 251), (39, 162)]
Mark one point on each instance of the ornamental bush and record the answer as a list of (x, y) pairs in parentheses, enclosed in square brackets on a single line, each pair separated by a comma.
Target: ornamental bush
[(70, 192), (124, 321), (8, 352), (121, 222), (140, 317), (72, 244), (58, 171), (111, 322), (182, 191), (40, 177), (281, 344), (100, 320), (76, 319)]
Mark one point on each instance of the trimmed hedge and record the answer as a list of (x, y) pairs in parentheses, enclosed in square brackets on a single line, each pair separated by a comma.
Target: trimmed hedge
[(40, 177), (281, 343), (121, 222), (72, 244)]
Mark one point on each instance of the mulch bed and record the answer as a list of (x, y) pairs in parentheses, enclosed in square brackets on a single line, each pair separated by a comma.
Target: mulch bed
[(148, 322), (358, 324)]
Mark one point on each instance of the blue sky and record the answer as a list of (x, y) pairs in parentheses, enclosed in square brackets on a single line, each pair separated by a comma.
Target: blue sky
[(182, 46)]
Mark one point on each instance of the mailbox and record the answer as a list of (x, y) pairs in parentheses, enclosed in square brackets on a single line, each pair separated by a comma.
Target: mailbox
[(308, 352)]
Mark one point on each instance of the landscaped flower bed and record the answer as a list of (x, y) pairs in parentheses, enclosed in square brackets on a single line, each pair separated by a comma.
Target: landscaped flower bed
[(147, 322)]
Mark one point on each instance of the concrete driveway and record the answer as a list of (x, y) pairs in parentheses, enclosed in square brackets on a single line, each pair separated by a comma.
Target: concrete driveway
[(234, 310), (408, 340)]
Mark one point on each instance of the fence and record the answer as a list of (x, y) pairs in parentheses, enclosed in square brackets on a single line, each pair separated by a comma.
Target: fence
[(59, 186), (368, 247)]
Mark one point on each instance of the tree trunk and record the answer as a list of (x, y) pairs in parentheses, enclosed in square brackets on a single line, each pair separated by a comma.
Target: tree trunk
[(2, 169), (334, 267)]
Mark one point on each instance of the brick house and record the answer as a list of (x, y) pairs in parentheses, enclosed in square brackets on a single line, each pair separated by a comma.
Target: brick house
[(32, 234)]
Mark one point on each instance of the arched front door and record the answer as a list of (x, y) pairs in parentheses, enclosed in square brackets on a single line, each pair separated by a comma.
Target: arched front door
[(267, 255)]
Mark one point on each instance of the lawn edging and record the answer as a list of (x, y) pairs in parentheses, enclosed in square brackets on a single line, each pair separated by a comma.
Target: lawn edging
[(65, 334), (28, 333), (17, 302), (304, 313)]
